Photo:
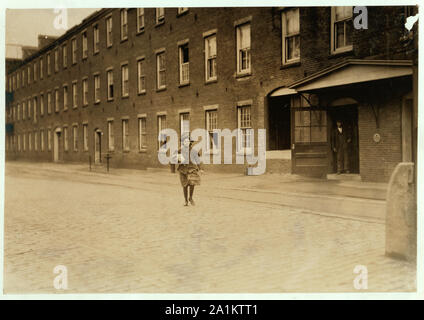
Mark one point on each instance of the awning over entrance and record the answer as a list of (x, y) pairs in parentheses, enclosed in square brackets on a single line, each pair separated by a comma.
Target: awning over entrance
[(283, 92), (353, 71)]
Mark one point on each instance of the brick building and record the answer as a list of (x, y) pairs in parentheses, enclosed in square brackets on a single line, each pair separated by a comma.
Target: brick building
[(111, 83)]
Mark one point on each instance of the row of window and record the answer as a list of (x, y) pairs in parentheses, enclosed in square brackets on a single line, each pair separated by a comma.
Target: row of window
[(36, 138), (341, 30)]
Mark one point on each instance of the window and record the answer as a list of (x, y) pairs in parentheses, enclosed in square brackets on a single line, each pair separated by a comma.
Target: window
[(161, 126), (24, 142), (125, 137), (29, 141), (85, 136), (84, 45), (35, 140), (42, 140), (142, 141), (19, 142), (35, 109), (291, 36), (211, 125), (96, 88), (85, 92), (65, 139), (75, 137), (49, 102), (18, 80), (29, 74), (141, 76), (41, 68), (109, 35), (65, 97), (74, 95), (35, 71), (56, 60), (65, 56), (56, 100), (23, 111), (341, 29), (184, 125), (184, 64), (160, 65), (210, 58), (124, 81), (110, 136), (110, 84), (124, 24), (244, 124), (49, 139), (182, 10), (160, 15), (243, 48), (48, 64), (42, 104), (74, 51), (140, 19), (29, 108), (96, 38), (23, 79)]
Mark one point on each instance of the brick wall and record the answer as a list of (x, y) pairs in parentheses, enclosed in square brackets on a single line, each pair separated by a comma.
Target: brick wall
[(267, 73)]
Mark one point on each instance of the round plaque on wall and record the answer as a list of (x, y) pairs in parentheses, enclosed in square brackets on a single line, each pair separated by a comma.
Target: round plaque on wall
[(376, 137)]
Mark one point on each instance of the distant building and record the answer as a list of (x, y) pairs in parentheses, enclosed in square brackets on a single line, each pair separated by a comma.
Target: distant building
[(111, 83)]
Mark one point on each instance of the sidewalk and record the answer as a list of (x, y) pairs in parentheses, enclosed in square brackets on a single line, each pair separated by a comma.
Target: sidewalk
[(345, 199)]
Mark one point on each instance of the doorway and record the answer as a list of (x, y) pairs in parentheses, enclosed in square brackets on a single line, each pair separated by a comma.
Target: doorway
[(348, 115), (57, 152), (279, 123), (97, 146)]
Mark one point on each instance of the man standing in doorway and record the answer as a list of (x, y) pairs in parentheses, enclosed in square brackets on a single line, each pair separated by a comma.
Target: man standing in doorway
[(340, 144)]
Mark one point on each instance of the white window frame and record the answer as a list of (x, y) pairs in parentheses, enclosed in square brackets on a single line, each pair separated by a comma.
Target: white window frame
[(49, 64), (75, 137), (74, 48), (65, 56), (247, 70), (160, 15), (85, 136), (124, 24), (74, 94), (140, 16), (49, 139), (110, 135), (346, 20), (34, 104), (96, 38), (184, 67), (65, 138), (34, 71), (286, 37), (84, 47), (211, 131), (65, 97), (141, 75), (56, 100), (181, 10), (56, 60), (35, 140), (125, 135), (142, 133), (41, 68), (241, 143), (84, 92), (159, 70), (29, 75), (209, 59), (161, 122), (29, 141), (49, 102), (41, 104), (125, 89), (96, 88), (109, 31), (109, 79)]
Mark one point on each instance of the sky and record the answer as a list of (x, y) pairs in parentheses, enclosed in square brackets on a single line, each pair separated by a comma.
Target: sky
[(24, 25)]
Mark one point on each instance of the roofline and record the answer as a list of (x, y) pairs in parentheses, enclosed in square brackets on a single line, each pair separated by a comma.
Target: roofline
[(87, 21), (347, 62)]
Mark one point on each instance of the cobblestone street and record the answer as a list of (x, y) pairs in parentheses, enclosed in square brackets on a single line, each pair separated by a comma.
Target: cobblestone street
[(128, 231)]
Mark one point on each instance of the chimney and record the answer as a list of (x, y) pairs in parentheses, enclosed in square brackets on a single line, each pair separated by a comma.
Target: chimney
[(44, 40)]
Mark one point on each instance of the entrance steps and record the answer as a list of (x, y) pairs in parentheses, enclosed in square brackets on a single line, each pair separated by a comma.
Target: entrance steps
[(344, 177), (278, 161)]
